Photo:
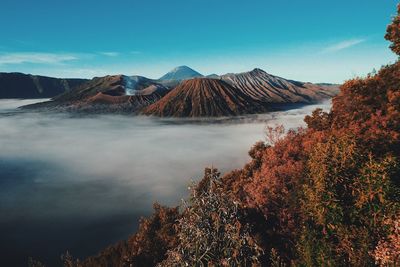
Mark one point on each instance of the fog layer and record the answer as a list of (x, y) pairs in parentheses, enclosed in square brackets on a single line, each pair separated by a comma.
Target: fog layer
[(81, 183)]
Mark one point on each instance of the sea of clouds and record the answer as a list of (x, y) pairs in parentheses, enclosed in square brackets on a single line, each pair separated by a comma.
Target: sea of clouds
[(81, 182)]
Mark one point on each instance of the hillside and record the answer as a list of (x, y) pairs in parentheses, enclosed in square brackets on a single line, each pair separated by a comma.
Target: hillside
[(268, 88), (202, 97), (19, 85), (116, 93), (327, 195)]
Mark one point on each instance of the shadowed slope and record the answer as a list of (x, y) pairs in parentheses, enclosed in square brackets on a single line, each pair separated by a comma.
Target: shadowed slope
[(19, 85)]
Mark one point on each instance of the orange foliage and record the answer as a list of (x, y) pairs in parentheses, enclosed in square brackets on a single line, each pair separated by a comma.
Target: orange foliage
[(393, 33), (319, 196), (147, 247)]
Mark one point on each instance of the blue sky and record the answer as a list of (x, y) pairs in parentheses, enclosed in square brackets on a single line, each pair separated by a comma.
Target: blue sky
[(307, 40)]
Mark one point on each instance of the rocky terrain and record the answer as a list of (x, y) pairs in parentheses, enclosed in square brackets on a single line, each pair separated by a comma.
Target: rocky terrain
[(204, 97), (115, 93), (235, 94), (184, 92), (268, 88)]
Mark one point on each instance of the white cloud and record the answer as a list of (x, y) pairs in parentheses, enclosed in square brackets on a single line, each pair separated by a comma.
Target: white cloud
[(343, 45), (110, 54), (35, 57)]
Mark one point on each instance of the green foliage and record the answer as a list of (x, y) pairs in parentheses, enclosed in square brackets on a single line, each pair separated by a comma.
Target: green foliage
[(211, 232), (346, 199)]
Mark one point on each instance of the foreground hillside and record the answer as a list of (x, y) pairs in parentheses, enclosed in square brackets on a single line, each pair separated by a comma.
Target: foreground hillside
[(19, 85), (326, 195)]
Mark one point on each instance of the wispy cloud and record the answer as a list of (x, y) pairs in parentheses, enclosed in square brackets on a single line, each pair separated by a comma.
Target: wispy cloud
[(34, 57), (110, 54), (342, 45)]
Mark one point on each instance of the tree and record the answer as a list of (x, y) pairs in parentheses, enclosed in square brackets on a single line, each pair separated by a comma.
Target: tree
[(393, 33), (346, 199)]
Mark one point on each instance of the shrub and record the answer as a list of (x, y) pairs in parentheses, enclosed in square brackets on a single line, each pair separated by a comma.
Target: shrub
[(211, 232)]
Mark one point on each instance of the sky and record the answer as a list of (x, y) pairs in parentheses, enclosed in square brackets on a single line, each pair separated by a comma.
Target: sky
[(306, 40)]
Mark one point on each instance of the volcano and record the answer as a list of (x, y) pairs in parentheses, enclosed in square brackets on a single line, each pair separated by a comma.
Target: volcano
[(268, 88), (204, 97), (113, 93), (181, 73)]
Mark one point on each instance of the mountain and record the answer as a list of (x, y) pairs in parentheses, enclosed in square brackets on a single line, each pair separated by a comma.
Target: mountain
[(113, 93), (235, 94), (268, 88), (19, 85), (181, 73), (203, 97), (213, 76), (114, 85), (231, 94)]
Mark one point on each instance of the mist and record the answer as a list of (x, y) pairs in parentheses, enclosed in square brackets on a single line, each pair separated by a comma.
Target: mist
[(80, 183)]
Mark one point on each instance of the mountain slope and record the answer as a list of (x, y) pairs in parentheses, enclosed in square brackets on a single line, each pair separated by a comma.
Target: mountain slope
[(202, 97), (181, 73), (113, 85), (19, 85), (273, 89), (116, 93)]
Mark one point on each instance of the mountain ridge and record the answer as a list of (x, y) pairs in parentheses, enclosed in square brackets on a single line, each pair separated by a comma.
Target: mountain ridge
[(274, 89), (21, 85), (254, 91)]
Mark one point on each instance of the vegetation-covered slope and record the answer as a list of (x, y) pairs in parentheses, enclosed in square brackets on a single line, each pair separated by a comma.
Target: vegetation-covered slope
[(326, 195)]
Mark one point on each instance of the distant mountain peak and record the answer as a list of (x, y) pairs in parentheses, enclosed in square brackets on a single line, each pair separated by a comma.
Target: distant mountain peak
[(258, 70), (183, 67), (181, 73)]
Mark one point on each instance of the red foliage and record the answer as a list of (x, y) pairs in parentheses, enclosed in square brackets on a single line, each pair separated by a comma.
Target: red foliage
[(393, 32)]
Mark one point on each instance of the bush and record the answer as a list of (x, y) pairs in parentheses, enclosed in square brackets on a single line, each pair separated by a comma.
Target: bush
[(211, 232)]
